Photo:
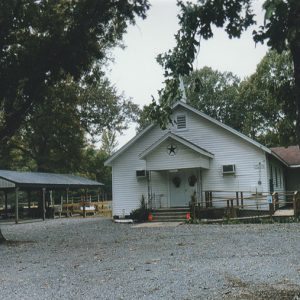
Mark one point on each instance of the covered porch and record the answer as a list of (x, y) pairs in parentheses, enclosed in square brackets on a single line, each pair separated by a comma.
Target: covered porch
[(174, 172)]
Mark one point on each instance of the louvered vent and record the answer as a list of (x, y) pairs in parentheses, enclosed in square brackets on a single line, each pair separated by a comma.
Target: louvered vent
[(181, 122)]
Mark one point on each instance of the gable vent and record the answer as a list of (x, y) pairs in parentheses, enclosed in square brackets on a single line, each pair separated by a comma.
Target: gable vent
[(181, 121)]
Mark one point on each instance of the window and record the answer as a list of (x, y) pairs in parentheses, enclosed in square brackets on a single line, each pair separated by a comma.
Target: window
[(276, 178), (181, 121)]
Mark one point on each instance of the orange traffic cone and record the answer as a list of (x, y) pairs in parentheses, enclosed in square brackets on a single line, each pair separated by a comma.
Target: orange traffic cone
[(188, 216)]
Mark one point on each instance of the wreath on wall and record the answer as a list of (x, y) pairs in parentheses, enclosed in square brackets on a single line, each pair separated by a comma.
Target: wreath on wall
[(176, 180), (192, 180)]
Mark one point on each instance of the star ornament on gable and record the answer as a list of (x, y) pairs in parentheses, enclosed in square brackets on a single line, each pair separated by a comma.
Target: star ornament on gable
[(172, 150)]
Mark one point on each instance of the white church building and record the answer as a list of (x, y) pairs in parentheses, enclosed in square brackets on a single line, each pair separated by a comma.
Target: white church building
[(194, 154)]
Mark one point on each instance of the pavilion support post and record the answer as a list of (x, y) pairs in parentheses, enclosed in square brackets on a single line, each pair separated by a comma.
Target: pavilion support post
[(17, 205), (29, 202), (6, 204), (67, 200), (52, 204), (84, 203), (44, 204), (61, 205)]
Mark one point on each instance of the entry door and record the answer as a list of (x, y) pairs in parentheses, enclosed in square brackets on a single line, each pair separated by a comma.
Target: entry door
[(182, 187)]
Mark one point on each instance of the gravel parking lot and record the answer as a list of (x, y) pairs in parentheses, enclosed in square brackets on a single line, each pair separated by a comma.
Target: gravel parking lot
[(94, 258)]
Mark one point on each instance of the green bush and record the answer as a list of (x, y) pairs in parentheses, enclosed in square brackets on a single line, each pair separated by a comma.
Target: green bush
[(140, 214)]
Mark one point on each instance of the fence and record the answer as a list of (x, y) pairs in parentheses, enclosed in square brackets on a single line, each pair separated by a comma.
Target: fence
[(229, 204), (84, 205), (56, 204)]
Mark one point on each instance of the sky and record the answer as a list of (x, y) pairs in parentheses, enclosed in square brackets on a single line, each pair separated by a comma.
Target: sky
[(136, 73)]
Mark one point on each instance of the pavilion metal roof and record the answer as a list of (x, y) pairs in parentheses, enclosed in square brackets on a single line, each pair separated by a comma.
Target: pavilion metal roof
[(10, 179)]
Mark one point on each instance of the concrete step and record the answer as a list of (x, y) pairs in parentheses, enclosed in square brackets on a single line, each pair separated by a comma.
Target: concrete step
[(170, 214), (173, 216), (166, 213), (168, 220)]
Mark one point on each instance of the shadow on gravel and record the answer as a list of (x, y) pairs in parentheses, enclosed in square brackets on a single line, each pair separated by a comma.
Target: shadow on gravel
[(15, 243), (265, 294), (241, 290)]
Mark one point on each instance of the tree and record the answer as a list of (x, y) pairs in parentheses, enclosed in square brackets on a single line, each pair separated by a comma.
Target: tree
[(93, 167), (214, 93), (267, 101), (281, 31), (109, 141), (210, 91), (44, 42), (54, 134), (261, 106)]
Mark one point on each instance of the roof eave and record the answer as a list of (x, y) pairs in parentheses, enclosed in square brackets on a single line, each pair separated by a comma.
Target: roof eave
[(279, 158), (109, 161), (145, 153)]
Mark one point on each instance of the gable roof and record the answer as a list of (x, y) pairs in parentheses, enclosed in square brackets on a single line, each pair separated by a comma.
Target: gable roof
[(226, 127), (127, 145), (37, 179), (197, 112), (290, 155), (180, 140)]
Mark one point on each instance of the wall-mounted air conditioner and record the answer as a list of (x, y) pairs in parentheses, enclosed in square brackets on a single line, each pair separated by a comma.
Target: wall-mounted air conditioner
[(228, 169), (141, 174)]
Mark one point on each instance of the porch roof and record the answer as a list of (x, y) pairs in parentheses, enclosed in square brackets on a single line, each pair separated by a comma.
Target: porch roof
[(179, 139)]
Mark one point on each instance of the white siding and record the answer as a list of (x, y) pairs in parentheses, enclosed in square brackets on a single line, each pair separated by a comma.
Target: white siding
[(127, 189), (185, 158), (228, 149), (226, 146)]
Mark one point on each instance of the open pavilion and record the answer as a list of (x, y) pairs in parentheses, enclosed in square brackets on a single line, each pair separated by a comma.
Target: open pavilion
[(15, 182)]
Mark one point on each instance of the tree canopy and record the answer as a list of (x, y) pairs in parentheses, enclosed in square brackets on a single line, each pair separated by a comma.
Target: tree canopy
[(281, 31), (55, 133), (260, 106), (44, 42)]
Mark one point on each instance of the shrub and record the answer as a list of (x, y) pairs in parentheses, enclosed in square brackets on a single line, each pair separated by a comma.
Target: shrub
[(140, 214)]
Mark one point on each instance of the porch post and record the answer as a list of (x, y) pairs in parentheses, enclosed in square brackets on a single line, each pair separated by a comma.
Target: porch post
[(17, 205), (149, 200)]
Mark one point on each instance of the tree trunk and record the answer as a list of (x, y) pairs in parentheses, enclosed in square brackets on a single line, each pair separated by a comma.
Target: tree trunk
[(296, 59), (294, 41), (2, 238)]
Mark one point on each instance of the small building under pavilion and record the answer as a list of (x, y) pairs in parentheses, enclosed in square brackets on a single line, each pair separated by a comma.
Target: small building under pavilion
[(14, 182)]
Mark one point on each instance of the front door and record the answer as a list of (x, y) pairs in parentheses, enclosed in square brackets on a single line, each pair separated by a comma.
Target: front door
[(182, 186)]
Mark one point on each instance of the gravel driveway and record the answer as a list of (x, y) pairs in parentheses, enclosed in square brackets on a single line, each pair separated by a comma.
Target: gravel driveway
[(94, 258)]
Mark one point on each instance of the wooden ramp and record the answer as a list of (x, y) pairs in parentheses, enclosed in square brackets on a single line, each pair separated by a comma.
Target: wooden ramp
[(284, 213)]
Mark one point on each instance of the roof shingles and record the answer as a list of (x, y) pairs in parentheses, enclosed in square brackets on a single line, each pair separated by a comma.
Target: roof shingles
[(291, 154)]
